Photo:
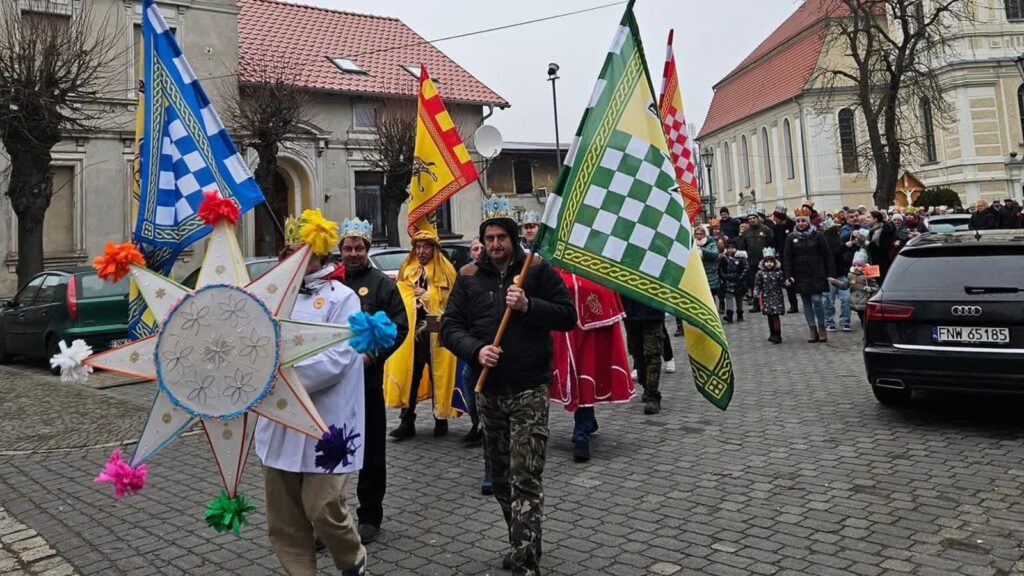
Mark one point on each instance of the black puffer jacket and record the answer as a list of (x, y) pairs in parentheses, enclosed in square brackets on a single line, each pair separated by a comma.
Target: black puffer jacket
[(809, 262), (474, 311)]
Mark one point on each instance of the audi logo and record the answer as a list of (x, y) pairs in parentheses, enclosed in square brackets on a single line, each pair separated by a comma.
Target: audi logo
[(966, 311)]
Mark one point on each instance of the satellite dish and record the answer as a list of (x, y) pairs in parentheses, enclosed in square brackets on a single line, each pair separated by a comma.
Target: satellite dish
[(488, 141)]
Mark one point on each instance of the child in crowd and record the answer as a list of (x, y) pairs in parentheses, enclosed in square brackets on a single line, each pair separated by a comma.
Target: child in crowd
[(770, 292), (732, 270), (861, 287)]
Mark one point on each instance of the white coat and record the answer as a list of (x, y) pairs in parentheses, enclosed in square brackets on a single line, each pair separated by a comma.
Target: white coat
[(334, 380)]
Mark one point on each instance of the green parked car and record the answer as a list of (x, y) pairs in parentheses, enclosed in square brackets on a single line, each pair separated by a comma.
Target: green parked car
[(63, 304)]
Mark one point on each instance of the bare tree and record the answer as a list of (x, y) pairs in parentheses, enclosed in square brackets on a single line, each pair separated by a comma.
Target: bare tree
[(394, 143), (51, 66), (891, 50), (266, 110)]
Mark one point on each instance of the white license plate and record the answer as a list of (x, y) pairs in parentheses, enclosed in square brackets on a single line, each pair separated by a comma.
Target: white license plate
[(971, 335), (119, 342)]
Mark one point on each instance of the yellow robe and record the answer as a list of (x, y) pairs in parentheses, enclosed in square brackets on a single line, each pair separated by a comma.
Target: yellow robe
[(398, 368)]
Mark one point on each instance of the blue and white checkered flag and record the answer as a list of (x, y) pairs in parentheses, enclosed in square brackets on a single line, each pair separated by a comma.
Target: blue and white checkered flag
[(185, 148)]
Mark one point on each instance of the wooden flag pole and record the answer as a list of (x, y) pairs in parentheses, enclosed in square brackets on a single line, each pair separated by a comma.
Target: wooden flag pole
[(504, 320)]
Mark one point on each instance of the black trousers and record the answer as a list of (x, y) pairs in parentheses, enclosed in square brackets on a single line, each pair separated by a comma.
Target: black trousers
[(420, 360), (373, 478)]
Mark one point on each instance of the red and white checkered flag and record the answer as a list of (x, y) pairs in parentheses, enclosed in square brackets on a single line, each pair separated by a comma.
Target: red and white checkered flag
[(673, 120)]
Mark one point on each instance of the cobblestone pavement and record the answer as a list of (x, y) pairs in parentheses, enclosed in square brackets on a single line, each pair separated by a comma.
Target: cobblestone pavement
[(804, 474)]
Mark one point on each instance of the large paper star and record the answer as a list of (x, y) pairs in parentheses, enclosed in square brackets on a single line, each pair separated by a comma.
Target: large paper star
[(224, 354)]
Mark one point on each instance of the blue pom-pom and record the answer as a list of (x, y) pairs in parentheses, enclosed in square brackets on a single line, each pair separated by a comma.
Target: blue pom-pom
[(336, 447), (372, 333)]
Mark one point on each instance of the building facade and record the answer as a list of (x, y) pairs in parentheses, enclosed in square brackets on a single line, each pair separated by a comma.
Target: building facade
[(775, 139), (353, 66), (526, 172)]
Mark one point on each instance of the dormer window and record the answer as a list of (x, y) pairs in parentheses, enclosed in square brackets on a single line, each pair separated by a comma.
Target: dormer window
[(414, 70), (348, 66)]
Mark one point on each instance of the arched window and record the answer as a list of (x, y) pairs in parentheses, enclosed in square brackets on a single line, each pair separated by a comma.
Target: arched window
[(1014, 10), (787, 140), (1020, 107), (727, 165), (766, 155), (928, 129), (746, 161), (848, 141)]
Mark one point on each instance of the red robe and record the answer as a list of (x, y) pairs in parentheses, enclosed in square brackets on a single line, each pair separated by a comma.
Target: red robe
[(590, 364)]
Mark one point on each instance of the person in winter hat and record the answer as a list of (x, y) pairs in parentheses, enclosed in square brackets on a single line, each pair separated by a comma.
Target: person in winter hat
[(861, 287), (732, 269), (769, 291)]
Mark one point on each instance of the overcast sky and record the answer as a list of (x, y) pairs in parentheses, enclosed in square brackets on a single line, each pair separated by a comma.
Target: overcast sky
[(712, 37)]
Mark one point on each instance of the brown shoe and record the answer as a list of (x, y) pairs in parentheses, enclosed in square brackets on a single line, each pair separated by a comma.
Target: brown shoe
[(814, 336), (822, 334)]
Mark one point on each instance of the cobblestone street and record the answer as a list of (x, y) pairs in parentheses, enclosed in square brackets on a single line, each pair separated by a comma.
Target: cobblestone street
[(804, 474)]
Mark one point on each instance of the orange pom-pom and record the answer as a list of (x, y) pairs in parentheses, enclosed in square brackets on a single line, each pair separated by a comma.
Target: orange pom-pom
[(215, 208), (117, 261)]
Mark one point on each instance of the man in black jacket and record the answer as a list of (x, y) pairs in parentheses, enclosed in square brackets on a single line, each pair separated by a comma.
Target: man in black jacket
[(513, 404), (729, 226), (985, 217), (376, 293)]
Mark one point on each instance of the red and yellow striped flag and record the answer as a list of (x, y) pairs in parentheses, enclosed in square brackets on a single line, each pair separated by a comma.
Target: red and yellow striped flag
[(674, 121), (442, 165)]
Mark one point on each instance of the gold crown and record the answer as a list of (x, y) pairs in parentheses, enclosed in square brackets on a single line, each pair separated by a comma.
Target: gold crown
[(292, 231)]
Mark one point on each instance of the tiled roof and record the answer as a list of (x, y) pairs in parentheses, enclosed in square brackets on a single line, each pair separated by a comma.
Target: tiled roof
[(306, 37), (776, 71)]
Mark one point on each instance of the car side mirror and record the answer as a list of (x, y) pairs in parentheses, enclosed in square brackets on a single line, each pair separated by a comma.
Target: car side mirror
[(10, 304)]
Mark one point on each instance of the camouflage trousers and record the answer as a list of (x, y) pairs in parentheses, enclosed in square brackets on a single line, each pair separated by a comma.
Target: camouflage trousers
[(515, 442), (645, 339)]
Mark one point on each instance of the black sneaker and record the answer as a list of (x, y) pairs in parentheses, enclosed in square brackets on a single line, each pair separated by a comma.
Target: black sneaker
[(652, 407), (581, 451), (368, 532), (440, 428), (404, 431)]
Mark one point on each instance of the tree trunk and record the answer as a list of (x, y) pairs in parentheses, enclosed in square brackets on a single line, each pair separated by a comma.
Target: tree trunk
[(29, 190), (885, 186), (266, 167), (390, 215)]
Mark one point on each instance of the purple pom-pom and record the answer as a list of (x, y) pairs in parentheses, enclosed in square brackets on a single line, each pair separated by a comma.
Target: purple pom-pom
[(336, 447)]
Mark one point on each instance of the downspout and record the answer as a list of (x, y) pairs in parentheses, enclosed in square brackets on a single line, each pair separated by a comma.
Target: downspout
[(803, 149), (490, 112)]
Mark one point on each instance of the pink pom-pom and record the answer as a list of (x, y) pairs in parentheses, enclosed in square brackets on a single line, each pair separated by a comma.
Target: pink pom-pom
[(126, 480)]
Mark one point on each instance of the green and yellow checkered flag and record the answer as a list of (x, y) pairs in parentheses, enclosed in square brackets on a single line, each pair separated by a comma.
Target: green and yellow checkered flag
[(616, 215)]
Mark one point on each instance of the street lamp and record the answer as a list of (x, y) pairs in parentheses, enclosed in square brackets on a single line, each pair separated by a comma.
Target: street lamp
[(1019, 62), (552, 77), (708, 156)]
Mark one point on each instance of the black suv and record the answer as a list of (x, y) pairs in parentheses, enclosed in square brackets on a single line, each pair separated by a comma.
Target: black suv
[(950, 315)]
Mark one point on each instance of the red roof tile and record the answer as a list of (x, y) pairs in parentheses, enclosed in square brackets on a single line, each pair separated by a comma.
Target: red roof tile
[(305, 37), (777, 70)]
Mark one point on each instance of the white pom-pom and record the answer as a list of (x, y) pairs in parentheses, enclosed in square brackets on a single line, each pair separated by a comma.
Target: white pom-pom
[(70, 359)]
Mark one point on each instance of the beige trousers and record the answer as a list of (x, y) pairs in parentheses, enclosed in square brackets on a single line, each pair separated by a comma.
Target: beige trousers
[(299, 503)]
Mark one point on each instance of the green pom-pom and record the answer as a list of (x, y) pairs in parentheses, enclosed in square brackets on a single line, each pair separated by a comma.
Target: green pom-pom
[(224, 514)]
